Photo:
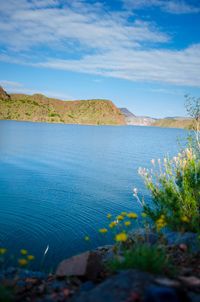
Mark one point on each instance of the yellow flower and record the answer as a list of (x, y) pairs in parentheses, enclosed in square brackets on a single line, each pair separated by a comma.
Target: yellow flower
[(24, 252), (123, 213), (113, 224), (119, 217), (109, 216), (144, 215), (87, 238), (103, 231), (2, 251), (185, 219), (132, 215), (127, 223), (160, 223), (121, 237), (22, 262), (30, 257)]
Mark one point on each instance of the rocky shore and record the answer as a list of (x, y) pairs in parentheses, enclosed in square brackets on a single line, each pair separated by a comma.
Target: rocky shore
[(86, 278)]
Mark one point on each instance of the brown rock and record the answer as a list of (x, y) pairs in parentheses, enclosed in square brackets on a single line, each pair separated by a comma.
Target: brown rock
[(167, 282), (86, 265), (190, 281), (3, 94), (183, 247)]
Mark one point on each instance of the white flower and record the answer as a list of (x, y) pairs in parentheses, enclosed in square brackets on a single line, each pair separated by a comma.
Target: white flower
[(135, 191), (153, 161)]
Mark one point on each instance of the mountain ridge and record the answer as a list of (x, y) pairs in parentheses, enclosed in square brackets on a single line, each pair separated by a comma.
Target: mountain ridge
[(39, 108)]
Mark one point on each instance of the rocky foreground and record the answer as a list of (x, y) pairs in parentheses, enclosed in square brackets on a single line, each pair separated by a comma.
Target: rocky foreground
[(85, 278)]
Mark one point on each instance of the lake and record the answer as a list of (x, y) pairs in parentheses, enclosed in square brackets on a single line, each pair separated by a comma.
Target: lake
[(58, 182)]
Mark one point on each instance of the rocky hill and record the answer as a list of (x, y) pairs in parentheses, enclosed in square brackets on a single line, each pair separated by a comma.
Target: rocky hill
[(168, 122), (132, 119), (39, 108)]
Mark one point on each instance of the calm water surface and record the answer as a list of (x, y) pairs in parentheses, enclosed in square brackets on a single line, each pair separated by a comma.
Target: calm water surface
[(58, 182)]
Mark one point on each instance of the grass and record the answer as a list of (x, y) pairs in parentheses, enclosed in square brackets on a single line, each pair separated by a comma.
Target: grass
[(145, 257)]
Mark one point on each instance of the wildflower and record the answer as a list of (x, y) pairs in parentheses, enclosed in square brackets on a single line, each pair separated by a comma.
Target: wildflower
[(135, 191), (185, 219), (153, 161), (24, 252), (30, 257), (119, 217), (113, 224), (103, 231), (121, 237), (109, 216), (132, 215), (127, 223), (22, 261), (2, 251), (160, 223)]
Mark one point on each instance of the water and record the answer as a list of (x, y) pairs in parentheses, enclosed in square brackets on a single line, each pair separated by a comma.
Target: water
[(58, 182)]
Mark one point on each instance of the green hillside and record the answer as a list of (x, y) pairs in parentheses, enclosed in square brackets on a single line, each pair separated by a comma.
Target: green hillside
[(173, 123), (38, 108)]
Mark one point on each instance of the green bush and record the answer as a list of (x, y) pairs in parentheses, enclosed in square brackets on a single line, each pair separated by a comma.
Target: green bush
[(175, 190), (145, 257)]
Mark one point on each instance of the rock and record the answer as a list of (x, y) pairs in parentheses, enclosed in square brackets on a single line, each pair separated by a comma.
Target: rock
[(3, 95), (191, 281), (86, 265), (57, 286), (183, 247), (167, 282), (86, 286), (144, 236), (164, 294), (118, 288), (189, 239)]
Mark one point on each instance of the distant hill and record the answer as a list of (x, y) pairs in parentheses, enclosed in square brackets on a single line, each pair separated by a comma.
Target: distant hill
[(39, 108), (126, 112), (132, 119), (168, 122), (174, 123)]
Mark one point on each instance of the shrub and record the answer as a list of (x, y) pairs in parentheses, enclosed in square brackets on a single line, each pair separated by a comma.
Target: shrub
[(175, 190), (175, 183), (193, 110), (145, 257)]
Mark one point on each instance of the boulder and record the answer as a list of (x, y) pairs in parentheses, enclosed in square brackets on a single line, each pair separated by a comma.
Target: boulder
[(126, 286), (86, 265)]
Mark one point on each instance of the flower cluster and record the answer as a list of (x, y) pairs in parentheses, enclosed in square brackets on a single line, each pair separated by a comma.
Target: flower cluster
[(175, 188), (25, 257)]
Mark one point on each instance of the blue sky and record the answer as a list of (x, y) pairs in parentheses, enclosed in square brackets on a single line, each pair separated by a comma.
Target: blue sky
[(141, 54)]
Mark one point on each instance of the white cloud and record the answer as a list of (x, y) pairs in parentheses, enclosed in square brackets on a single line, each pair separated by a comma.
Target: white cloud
[(80, 37), (174, 67), (72, 26), (169, 6), (17, 87), (10, 84)]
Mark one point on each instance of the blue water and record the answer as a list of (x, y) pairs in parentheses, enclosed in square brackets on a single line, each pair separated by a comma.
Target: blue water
[(58, 182)]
